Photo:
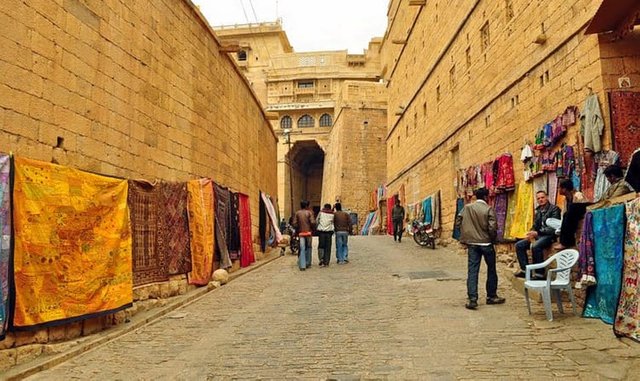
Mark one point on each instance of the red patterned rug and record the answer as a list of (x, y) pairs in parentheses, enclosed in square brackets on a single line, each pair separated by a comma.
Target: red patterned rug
[(173, 228), (625, 118)]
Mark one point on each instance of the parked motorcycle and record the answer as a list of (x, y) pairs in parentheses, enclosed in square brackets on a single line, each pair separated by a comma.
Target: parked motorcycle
[(294, 240), (423, 234)]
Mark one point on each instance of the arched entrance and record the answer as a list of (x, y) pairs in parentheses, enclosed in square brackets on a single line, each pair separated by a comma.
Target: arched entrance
[(304, 182)]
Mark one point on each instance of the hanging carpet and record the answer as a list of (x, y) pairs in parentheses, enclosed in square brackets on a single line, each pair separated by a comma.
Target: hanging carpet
[(608, 233), (173, 228), (5, 244), (625, 118), (627, 322), (201, 228), (222, 207), (247, 256), (502, 201), (524, 211), (233, 240), (72, 256)]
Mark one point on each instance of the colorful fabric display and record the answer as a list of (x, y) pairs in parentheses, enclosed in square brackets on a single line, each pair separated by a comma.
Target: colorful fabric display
[(501, 204), (5, 243), (173, 228), (427, 207), (222, 210), (247, 256), (148, 264), (524, 211), (586, 259), (72, 256), (608, 233), (625, 119), (201, 230), (627, 322), (456, 229), (233, 240)]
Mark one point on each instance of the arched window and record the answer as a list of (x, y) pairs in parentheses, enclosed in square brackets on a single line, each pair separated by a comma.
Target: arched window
[(325, 120), (306, 121), (242, 55), (286, 122)]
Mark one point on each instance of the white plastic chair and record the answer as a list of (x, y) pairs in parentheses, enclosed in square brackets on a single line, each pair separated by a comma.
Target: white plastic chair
[(558, 279)]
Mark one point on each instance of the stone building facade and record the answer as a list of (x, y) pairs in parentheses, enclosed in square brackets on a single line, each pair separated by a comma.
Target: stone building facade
[(356, 153), (131, 90), (470, 82), (301, 90)]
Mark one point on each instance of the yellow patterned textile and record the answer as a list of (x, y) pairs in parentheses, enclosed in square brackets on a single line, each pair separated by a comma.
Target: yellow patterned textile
[(511, 211), (523, 217), (201, 228), (72, 253)]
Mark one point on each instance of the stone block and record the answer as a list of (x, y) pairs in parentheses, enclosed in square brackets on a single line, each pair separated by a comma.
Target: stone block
[(28, 353), (8, 358), (57, 333), (174, 287), (154, 291), (140, 293), (91, 326), (9, 341), (73, 330), (164, 290)]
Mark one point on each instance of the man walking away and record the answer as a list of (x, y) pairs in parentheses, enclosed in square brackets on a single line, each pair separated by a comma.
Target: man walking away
[(325, 232), (397, 216), (342, 225), (303, 222), (478, 227)]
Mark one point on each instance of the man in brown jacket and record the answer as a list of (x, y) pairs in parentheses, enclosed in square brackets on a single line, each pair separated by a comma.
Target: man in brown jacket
[(478, 227), (303, 221), (342, 224)]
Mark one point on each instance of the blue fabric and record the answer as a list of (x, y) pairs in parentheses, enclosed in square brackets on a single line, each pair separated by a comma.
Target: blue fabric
[(426, 207), (456, 228), (608, 232), (367, 224)]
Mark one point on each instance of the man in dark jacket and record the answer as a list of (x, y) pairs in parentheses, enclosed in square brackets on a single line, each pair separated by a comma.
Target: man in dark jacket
[(397, 216), (303, 221), (342, 224), (478, 228), (541, 235)]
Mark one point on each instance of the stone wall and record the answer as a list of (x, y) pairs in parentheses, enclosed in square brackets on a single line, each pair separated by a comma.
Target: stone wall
[(477, 80), (132, 90), (355, 160)]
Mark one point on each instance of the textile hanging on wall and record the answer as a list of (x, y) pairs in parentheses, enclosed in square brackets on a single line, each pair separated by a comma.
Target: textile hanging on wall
[(201, 230), (247, 256), (608, 234), (586, 260), (625, 118), (456, 227), (540, 184), (72, 256), (501, 204), (5, 243), (148, 264), (262, 222), (390, 204), (524, 211), (427, 205), (222, 210), (173, 228), (234, 226), (271, 211), (627, 322), (511, 212), (436, 210), (552, 180)]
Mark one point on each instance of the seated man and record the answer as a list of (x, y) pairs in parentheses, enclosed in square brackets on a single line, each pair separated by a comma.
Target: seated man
[(575, 209), (542, 234)]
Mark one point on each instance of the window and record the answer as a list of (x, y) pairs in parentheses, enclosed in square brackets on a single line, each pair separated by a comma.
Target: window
[(325, 120), (508, 7), (485, 36), (242, 55), (306, 121), (286, 122), (305, 84)]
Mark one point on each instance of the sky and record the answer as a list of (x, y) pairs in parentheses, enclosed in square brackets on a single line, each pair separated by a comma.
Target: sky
[(311, 25)]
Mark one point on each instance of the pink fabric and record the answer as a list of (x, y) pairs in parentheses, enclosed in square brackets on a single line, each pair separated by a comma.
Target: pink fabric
[(247, 256)]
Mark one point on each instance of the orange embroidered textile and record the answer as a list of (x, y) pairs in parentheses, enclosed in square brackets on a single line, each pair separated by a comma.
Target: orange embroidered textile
[(201, 227), (523, 216), (72, 253)]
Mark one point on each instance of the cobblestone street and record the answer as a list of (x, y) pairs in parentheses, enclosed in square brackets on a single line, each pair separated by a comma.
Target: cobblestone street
[(373, 318)]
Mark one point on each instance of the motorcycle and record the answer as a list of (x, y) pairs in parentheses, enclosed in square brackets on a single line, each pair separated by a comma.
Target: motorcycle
[(294, 240), (423, 234)]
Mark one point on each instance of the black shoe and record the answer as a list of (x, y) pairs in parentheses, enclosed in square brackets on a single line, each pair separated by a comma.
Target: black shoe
[(519, 274), (399, 240), (302, 269), (495, 300), (471, 305)]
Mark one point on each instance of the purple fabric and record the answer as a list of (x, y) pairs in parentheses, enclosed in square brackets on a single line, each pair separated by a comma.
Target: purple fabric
[(586, 259), (501, 213)]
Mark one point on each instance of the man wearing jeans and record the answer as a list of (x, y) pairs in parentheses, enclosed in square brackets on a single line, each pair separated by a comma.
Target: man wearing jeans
[(303, 221), (541, 235), (478, 228), (342, 226)]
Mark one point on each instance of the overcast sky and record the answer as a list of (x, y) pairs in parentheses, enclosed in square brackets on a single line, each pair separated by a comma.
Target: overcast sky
[(310, 24)]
